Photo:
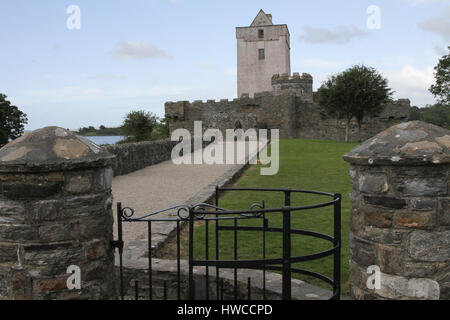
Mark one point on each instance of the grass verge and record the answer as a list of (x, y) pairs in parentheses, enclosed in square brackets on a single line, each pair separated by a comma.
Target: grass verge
[(304, 164)]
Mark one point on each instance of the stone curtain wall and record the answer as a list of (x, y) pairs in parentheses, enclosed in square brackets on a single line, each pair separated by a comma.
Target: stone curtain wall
[(311, 124), (55, 211), (400, 218), (224, 114), (289, 107), (294, 117)]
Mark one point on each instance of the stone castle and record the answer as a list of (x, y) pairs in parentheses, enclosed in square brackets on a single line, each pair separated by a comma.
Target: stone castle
[(271, 98)]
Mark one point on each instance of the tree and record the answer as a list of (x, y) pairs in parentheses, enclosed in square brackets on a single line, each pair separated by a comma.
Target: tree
[(415, 114), (441, 89), (357, 92), (438, 114), (161, 130), (12, 121), (139, 124)]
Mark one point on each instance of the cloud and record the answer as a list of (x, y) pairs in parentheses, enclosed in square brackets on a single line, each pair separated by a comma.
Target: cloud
[(338, 35), (83, 93), (439, 25), (135, 50), (106, 76), (72, 93), (413, 83), (324, 64), (419, 2), (441, 50), (159, 90)]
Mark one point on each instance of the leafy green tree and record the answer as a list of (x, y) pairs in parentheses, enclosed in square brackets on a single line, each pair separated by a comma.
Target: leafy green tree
[(161, 130), (441, 89), (12, 121), (139, 124), (415, 114), (438, 114), (357, 92)]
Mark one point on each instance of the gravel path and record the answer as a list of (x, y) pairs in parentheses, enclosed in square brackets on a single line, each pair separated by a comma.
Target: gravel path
[(160, 186), (164, 185)]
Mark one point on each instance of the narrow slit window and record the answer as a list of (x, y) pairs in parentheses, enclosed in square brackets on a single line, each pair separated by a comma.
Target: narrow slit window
[(261, 33), (261, 54)]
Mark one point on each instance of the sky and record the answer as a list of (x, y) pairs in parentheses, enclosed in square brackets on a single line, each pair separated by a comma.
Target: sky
[(126, 55)]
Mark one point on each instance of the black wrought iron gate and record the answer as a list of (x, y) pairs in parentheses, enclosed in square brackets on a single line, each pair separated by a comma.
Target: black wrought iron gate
[(214, 214)]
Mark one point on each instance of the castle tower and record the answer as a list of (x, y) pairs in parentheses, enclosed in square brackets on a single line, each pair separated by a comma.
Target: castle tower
[(263, 49)]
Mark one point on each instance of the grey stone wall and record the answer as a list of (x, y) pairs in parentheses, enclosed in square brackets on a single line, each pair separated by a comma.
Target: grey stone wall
[(400, 218), (300, 86), (310, 122), (165, 271), (278, 112), (135, 156), (55, 211), (224, 114), (286, 109), (131, 157)]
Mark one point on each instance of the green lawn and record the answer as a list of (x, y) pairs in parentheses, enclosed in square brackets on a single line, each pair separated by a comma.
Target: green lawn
[(304, 164)]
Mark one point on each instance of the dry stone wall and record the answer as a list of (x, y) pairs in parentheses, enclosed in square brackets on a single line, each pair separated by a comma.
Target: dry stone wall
[(131, 157), (135, 156)]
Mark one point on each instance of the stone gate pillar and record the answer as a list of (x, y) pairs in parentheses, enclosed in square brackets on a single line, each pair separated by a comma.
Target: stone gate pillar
[(55, 212), (400, 218)]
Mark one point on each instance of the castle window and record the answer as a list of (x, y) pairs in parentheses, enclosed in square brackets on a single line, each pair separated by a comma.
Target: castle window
[(261, 33), (261, 54)]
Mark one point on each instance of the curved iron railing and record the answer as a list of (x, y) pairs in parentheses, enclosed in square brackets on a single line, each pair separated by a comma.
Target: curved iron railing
[(214, 213)]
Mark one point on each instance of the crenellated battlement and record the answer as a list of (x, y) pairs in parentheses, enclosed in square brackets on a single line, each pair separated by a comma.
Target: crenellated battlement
[(245, 99), (183, 110), (289, 107), (300, 85), (296, 77)]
